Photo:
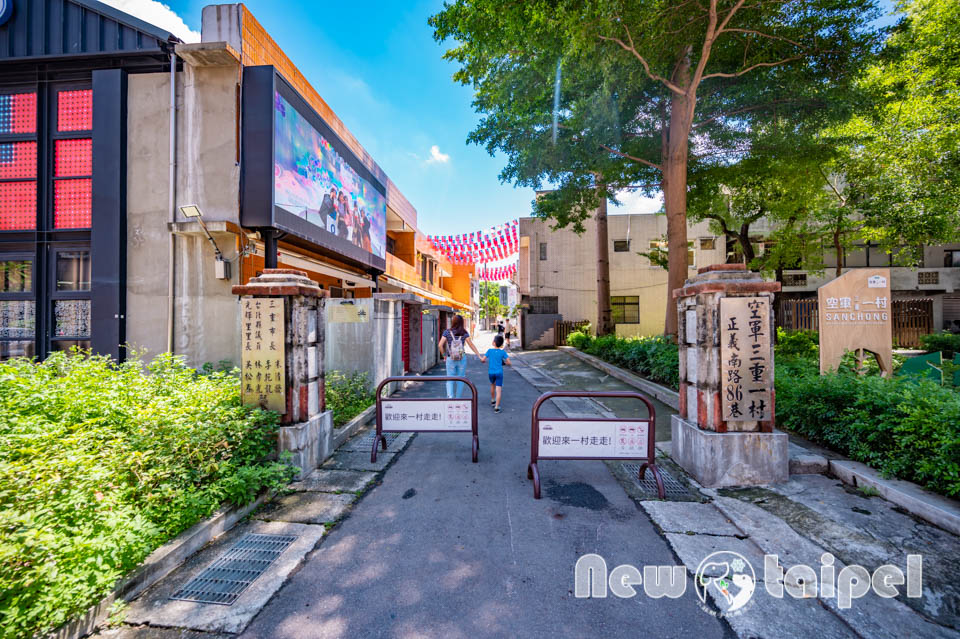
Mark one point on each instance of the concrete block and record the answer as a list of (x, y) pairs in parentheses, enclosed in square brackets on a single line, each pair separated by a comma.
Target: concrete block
[(688, 517), (309, 442), (312, 368), (729, 459), (331, 481), (693, 364), (312, 327), (692, 402), (808, 464), (307, 508), (313, 398), (691, 326)]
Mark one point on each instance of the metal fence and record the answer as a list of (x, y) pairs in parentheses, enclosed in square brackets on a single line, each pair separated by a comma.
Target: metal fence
[(911, 318), (562, 329)]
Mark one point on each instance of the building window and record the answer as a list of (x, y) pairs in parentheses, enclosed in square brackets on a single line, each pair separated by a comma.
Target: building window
[(951, 258), (708, 243), (928, 278), (73, 160), (691, 256), (18, 322), (543, 251), (18, 161), (625, 309), (621, 246), (391, 245), (794, 279), (70, 299), (543, 305)]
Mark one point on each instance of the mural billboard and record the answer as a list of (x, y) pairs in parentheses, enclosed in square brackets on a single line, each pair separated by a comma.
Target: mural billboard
[(314, 182)]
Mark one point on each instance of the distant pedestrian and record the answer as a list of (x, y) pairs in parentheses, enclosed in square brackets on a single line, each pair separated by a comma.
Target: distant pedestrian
[(453, 345), (508, 331), (499, 327), (496, 357)]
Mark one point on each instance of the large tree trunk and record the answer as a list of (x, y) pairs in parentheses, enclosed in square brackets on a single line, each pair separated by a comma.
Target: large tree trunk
[(838, 248), (675, 199), (604, 324)]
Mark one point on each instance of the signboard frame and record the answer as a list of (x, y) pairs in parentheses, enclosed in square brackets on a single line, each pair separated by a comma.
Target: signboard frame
[(649, 460), (252, 353), (380, 430)]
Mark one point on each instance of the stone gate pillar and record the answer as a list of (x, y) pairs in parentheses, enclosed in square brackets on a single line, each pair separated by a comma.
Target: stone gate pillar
[(281, 360), (724, 434)]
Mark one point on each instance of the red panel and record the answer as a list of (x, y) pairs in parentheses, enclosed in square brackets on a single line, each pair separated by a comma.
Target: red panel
[(18, 113), (72, 202), (18, 160), (18, 206), (405, 339), (73, 157), (75, 110)]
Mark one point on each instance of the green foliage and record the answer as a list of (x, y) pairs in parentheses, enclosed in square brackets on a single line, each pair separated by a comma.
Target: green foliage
[(803, 344), (947, 343), (655, 358), (906, 428), (348, 396), (102, 463)]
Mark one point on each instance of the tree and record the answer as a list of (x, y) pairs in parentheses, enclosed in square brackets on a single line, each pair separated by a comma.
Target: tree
[(675, 71), (901, 172)]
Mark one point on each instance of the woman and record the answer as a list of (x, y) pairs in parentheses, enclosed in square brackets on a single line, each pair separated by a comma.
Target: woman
[(452, 347)]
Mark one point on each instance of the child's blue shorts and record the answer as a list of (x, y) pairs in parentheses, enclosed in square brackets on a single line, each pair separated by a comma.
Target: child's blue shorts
[(496, 378)]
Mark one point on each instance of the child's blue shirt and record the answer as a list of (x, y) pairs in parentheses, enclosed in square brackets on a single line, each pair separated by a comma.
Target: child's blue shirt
[(495, 359)]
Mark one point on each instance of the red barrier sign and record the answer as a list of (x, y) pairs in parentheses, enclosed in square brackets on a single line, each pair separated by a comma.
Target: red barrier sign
[(601, 438), (425, 414)]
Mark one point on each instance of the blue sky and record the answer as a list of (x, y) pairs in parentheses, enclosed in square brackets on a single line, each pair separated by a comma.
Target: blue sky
[(377, 65)]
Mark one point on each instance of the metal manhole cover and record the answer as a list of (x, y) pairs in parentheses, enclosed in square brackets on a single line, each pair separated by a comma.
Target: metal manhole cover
[(226, 578), (671, 487)]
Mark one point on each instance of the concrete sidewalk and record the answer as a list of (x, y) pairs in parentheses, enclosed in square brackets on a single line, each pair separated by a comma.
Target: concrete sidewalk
[(447, 548)]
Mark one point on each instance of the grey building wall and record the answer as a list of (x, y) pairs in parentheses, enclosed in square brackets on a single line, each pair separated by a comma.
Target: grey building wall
[(372, 346), (206, 317)]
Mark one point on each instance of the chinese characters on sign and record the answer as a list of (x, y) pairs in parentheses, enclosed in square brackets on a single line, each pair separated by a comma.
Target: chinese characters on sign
[(427, 414), (745, 366), (856, 314), (263, 378), (604, 439)]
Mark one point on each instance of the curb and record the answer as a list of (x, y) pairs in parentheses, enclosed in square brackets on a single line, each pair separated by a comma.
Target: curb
[(351, 428), (158, 565), (666, 395), (938, 510)]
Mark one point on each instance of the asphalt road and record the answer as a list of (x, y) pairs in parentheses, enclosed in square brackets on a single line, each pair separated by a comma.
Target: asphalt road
[(447, 548)]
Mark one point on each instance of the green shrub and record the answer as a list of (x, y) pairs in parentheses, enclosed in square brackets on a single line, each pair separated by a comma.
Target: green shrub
[(579, 339), (903, 427), (102, 463), (805, 344), (348, 396), (655, 358), (947, 343)]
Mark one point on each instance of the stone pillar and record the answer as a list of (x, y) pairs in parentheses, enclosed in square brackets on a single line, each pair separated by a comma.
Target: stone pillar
[(714, 437), (306, 427)]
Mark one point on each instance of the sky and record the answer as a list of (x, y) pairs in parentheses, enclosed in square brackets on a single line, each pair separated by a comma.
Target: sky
[(378, 67)]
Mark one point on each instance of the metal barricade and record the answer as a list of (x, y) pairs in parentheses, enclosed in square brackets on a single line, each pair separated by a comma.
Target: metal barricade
[(596, 439), (425, 414)]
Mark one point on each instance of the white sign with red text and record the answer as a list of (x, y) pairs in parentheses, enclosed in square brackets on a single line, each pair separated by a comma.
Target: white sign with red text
[(593, 438), (426, 414)]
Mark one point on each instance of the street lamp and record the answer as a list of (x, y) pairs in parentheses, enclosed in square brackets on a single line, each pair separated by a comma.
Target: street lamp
[(221, 267)]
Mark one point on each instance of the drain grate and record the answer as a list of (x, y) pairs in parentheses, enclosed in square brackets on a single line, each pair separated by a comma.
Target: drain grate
[(671, 487), (366, 441), (227, 577)]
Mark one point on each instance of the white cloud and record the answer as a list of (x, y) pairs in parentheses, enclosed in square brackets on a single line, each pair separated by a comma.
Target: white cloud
[(635, 202), (157, 14), (437, 156)]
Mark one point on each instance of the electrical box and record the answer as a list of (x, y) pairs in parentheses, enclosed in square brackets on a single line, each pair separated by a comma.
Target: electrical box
[(221, 269)]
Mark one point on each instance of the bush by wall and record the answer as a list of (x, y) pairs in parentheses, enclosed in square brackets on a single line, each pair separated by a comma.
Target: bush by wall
[(101, 463), (656, 358), (347, 396), (948, 343), (903, 427)]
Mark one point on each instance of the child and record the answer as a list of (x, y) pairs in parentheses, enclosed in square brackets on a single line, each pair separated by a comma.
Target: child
[(496, 357)]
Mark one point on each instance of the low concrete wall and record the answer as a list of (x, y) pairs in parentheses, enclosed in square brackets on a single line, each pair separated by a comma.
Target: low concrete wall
[(431, 323), (363, 335), (538, 330)]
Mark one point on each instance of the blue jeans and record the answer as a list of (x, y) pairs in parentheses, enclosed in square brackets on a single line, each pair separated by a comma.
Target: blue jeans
[(456, 369)]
